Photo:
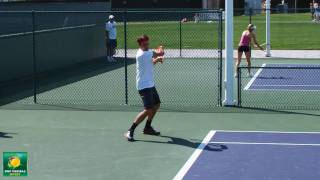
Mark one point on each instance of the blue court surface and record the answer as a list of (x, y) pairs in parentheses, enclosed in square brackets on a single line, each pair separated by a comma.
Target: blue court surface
[(254, 155), (297, 77)]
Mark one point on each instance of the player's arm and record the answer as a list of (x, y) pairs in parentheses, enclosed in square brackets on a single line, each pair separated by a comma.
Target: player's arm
[(158, 52), (157, 59), (158, 55), (155, 54), (255, 41)]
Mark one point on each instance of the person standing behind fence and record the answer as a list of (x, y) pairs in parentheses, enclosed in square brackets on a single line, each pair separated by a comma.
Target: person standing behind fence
[(312, 11), (245, 46), (317, 12), (111, 38)]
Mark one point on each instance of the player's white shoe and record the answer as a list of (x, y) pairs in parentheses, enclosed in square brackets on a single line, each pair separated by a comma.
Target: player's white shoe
[(128, 136)]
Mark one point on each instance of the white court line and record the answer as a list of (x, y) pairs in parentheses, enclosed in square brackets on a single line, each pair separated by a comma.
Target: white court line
[(254, 77), (279, 85), (183, 171), (271, 132), (290, 90), (257, 143)]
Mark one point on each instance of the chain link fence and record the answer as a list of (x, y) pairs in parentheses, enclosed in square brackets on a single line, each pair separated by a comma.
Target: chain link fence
[(283, 82), (284, 27), (190, 77), (59, 58), (16, 44), (279, 86), (69, 67)]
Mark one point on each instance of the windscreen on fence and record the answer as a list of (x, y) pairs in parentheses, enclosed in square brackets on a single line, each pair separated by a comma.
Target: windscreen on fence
[(17, 55), (72, 65)]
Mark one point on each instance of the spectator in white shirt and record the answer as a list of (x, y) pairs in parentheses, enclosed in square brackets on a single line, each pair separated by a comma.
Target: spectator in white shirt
[(111, 38)]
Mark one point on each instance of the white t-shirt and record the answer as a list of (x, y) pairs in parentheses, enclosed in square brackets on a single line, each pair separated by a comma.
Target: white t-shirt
[(145, 69), (111, 27)]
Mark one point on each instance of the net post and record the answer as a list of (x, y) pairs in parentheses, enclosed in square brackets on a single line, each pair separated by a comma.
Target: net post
[(220, 30), (125, 55), (229, 69), (268, 34), (34, 58), (239, 74)]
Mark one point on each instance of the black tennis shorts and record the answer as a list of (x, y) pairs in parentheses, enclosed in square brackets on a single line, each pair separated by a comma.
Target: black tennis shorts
[(150, 97), (112, 43), (243, 49)]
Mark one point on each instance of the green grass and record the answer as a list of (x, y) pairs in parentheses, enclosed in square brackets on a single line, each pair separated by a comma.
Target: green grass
[(288, 31)]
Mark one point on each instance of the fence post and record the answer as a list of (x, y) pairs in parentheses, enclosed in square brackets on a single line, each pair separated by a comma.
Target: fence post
[(250, 16), (180, 34), (125, 56), (34, 59), (239, 74), (220, 32), (268, 24)]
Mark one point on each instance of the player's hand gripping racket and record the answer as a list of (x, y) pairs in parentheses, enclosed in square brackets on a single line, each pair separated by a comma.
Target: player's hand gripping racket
[(160, 52), (261, 45)]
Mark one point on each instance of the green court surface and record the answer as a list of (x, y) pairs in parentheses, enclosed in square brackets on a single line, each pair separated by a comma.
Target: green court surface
[(81, 145)]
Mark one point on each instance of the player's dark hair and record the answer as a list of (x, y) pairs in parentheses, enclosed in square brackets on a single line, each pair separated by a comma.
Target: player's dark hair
[(142, 39)]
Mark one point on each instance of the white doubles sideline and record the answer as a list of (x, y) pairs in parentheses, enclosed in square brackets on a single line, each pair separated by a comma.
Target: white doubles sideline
[(254, 77), (194, 156), (185, 168)]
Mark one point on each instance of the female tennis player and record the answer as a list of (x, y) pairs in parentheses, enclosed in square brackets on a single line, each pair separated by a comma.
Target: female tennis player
[(245, 46), (146, 59)]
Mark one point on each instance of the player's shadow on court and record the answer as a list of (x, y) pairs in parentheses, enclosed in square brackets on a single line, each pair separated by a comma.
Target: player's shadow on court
[(188, 143), (6, 135), (275, 77)]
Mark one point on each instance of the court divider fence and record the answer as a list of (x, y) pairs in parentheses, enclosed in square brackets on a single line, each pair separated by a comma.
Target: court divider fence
[(58, 58), (66, 56), (279, 87)]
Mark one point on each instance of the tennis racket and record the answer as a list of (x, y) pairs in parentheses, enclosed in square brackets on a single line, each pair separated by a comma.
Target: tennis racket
[(263, 44)]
